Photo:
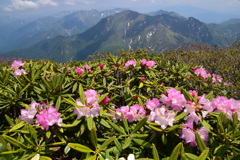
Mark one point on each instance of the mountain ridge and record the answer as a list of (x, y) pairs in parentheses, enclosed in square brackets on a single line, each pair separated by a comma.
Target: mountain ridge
[(127, 30)]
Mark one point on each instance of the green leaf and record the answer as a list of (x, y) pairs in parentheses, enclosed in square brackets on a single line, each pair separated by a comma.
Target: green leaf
[(48, 134), (17, 126), (29, 140), (164, 139), (221, 149), (174, 127), (141, 85), (203, 155), (118, 144), (14, 142), (90, 123), (139, 125), (156, 129), (200, 142), (58, 103), (71, 102), (187, 95), (74, 124), (74, 88), (209, 96), (104, 123), (81, 94), (106, 143), (155, 152), (127, 142), (125, 123), (93, 137), (56, 144), (180, 116), (206, 125), (118, 129), (141, 142), (45, 158), (9, 120), (176, 151), (140, 102), (92, 158), (80, 148), (24, 88), (3, 144), (191, 156)]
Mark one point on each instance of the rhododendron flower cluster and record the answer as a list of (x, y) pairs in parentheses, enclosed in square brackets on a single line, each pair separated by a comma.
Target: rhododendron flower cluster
[(228, 106), (203, 73), (162, 116), (130, 63), (149, 64), (174, 99), (189, 136), (152, 104), (17, 64), (79, 70), (18, 71), (132, 113), (46, 118), (28, 115), (87, 67), (89, 108)]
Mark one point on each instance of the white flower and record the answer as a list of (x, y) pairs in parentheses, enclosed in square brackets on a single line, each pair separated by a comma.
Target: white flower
[(131, 157)]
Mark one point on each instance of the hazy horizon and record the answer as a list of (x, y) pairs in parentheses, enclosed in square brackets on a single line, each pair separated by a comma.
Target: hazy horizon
[(213, 11)]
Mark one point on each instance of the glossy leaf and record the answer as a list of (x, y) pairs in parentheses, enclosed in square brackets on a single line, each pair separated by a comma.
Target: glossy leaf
[(80, 147)]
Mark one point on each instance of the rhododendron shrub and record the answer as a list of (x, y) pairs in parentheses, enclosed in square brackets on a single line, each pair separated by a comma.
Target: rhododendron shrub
[(134, 104)]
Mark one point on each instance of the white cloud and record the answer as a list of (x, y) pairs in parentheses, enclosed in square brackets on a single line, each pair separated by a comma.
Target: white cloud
[(74, 2), (27, 4), (47, 2)]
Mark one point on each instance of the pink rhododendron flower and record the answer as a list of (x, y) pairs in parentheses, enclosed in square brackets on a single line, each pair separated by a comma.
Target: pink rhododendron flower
[(216, 78), (17, 64), (118, 64), (228, 106), (191, 119), (189, 136), (202, 72), (174, 99), (105, 101), (130, 63), (79, 70), (143, 79), (162, 116), (28, 115), (149, 64), (90, 108), (152, 104), (193, 93), (19, 72), (87, 67), (101, 66), (48, 117), (133, 113)]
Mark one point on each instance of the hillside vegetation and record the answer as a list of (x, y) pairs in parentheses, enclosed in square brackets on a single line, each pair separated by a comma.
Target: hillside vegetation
[(177, 105)]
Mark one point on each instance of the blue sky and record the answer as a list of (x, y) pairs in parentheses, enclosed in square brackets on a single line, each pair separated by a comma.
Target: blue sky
[(30, 6)]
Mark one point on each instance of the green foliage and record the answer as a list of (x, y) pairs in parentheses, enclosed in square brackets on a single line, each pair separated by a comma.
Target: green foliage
[(104, 137)]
